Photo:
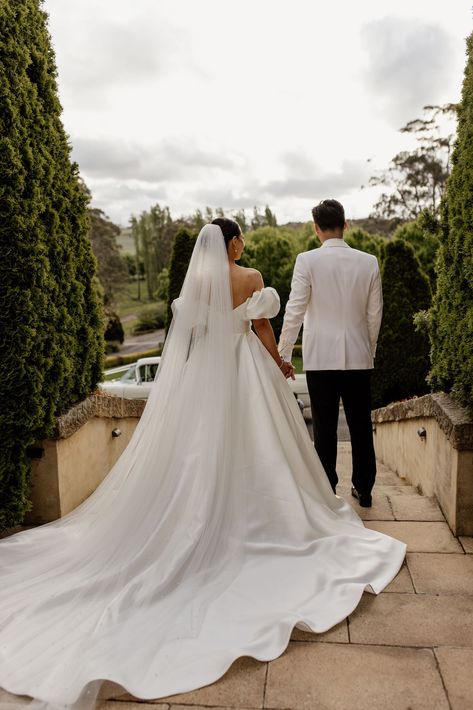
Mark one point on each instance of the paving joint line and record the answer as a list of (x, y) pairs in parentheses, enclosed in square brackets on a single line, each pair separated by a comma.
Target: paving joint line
[(409, 571), (266, 680), (437, 664), (390, 506)]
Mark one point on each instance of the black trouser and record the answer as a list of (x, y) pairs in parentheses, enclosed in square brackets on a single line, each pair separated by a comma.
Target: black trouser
[(326, 387)]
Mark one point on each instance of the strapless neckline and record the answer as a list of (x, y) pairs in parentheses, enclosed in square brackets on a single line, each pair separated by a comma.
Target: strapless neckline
[(241, 304)]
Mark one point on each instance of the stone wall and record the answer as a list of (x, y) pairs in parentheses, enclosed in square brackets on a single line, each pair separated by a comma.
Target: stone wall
[(429, 442), (71, 466)]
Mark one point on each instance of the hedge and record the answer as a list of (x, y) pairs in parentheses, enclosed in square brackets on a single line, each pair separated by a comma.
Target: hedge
[(451, 329), (402, 356), (51, 349)]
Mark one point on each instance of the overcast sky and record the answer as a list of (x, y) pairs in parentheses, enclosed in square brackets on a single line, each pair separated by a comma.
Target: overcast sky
[(246, 102)]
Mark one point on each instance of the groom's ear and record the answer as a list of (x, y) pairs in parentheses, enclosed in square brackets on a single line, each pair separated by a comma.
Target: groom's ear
[(346, 226)]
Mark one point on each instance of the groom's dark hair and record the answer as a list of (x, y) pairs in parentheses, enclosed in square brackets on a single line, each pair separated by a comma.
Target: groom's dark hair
[(329, 214)]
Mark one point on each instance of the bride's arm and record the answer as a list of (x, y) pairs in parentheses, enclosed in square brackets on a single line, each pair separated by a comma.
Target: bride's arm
[(264, 331)]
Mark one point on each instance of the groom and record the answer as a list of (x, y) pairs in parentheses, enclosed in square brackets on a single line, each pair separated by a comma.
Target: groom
[(336, 291)]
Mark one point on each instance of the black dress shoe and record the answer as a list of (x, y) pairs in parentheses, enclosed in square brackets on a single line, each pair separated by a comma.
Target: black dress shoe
[(364, 499)]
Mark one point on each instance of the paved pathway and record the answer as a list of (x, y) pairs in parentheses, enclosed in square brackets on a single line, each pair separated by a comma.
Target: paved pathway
[(409, 648), (140, 343), (342, 431)]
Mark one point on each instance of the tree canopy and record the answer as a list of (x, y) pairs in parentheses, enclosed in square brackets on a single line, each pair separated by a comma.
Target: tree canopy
[(415, 179)]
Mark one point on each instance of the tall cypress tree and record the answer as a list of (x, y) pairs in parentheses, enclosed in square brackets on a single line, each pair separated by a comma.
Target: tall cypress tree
[(51, 349), (452, 310), (181, 254), (402, 356)]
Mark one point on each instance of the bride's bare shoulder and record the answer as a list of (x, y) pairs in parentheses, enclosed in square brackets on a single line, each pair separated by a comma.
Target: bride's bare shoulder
[(252, 277)]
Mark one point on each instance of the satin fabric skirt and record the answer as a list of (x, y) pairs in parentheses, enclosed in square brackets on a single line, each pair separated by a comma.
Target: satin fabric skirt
[(303, 558)]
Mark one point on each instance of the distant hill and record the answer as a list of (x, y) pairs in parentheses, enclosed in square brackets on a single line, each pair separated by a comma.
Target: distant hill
[(372, 225)]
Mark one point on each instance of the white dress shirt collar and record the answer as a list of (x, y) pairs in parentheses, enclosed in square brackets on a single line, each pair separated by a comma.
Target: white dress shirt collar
[(335, 242)]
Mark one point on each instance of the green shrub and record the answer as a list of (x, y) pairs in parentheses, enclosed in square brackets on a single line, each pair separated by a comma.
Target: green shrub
[(312, 243), (118, 360), (271, 252), (423, 236), (452, 309), (358, 238), (51, 349), (163, 285), (112, 346), (151, 318), (114, 329), (402, 356)]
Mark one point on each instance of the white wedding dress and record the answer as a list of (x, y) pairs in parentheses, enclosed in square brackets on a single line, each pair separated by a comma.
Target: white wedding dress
[(214, 535)]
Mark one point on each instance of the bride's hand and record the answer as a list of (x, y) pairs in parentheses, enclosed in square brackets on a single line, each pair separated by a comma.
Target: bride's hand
[(287, 369)]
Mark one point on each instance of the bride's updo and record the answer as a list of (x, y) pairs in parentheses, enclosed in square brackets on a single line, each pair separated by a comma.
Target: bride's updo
[(229, 227)]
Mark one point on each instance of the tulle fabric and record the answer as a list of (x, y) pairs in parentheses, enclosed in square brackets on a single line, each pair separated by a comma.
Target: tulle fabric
[(215, 533), (166, 521)]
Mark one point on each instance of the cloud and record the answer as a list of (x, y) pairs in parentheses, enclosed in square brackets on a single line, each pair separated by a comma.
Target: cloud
[(228, 199), (298, 162), (304, 179), (121, 200), (126, 177), (114, 54), (409, 65), (170, 159)]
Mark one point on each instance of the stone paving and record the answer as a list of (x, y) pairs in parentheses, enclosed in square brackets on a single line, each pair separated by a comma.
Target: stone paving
[(409, 648)]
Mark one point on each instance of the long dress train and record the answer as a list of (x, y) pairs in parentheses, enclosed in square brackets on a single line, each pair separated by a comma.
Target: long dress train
[(214, 535)]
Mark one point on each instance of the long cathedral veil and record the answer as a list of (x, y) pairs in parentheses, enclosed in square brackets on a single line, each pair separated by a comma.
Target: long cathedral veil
[(158, 539)]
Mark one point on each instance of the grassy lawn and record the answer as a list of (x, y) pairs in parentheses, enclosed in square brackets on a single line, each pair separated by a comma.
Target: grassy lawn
[(126, 301), (112, 376), (297, 362), (127, 305)]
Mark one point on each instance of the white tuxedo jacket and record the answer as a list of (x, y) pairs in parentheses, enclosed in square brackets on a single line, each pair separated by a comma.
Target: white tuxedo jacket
[(336, 291)]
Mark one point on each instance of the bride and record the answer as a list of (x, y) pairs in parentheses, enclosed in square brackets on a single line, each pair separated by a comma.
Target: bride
[(214, 534)]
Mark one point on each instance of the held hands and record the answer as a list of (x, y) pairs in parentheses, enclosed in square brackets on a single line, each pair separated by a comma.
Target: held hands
[(287, 369)]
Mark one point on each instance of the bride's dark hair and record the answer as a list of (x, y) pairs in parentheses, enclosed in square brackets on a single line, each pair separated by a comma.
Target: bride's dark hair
[(229, 227)]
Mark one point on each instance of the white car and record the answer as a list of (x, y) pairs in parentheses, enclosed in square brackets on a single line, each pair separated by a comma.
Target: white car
[(137, 379)]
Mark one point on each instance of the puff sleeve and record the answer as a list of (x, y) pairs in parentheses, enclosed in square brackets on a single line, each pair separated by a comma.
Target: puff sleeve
[(263, 304)]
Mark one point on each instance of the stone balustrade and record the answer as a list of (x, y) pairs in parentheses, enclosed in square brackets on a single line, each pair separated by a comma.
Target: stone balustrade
[(69, 467), (429, 442)]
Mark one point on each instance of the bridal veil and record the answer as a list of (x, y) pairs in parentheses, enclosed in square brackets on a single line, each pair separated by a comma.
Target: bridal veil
[(165, 522)]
